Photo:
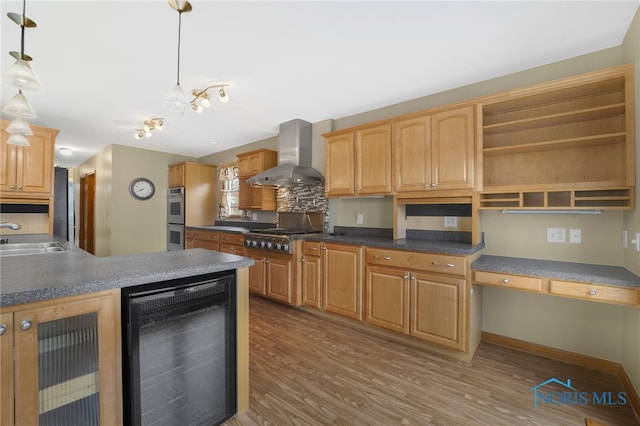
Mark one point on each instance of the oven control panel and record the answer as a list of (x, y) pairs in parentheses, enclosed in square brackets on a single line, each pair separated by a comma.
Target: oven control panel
[(268, 242)]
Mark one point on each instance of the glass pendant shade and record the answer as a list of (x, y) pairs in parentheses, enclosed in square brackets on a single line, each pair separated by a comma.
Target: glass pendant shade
[(19, 127), (18, 140), (19, 106), (176, 100), (21, 76)]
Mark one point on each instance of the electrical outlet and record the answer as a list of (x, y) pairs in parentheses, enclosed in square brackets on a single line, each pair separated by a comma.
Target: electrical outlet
[(556, 235), (575, 236), (624, 239), (254, 216), (636, 241), (450, 222), (359, 218)]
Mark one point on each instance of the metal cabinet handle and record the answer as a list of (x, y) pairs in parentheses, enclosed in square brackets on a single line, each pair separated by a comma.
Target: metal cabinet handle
[(448, 265), (25, 325), (302, 260), (3, 329), (313, 248), (505, 281), (593, 292), (406, 277), (324, 248), (375, 256), (12, 187), (433, 185)]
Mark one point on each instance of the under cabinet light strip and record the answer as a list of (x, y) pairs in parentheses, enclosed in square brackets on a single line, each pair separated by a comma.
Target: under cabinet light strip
[(591, 212)]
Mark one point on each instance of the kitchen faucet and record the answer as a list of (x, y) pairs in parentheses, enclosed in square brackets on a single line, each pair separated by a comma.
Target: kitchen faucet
[(10, 225)]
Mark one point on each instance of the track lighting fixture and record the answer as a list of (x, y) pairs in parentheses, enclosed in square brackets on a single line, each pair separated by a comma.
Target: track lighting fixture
[(149, 125), (201, 98)]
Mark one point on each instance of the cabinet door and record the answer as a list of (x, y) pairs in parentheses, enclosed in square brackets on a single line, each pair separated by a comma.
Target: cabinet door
[(373, 160), (8, 156), (278, 272), (176, 175), (311, 281), (342, 280), (387, 298), (6, 369), (412, 150), (257, 277), (339, 165), (35, 168), (452, 150), (66, 362), (438, 309)]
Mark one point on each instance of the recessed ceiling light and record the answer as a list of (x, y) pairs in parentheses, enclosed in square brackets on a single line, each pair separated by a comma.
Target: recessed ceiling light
[(65, 151), (212, 142)]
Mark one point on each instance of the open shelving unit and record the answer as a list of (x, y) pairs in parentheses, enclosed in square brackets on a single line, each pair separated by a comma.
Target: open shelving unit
[(566, 144)]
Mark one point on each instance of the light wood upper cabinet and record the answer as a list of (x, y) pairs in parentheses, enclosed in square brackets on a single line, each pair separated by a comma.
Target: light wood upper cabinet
[(565, 144), (340, 160), (435, 151), (359, 163), (260, 197), (27, 171), (452, 149), (177, 175), (199, 181)]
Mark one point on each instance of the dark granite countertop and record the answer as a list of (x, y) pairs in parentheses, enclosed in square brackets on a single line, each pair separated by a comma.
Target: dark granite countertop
[(585, 272), (426, 246), (31, 278)]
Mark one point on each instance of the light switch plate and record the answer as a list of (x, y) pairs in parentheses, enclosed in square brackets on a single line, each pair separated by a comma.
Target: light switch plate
[(575, 236)]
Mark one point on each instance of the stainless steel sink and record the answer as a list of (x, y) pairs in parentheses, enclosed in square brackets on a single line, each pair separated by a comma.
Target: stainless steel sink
[(17, 249)]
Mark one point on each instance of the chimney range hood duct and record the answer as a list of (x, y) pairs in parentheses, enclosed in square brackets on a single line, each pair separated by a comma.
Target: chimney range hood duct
[(294, 158)]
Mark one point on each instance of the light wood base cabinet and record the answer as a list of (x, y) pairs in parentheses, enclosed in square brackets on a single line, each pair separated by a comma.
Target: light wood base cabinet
[(272, 275), (40, 337), (427, 306), (342, 280), (311, 264), (437, 309)]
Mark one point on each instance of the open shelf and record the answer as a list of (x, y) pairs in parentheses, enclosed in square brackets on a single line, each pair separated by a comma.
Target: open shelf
[(565, 199), (571, 133), (605, 111)]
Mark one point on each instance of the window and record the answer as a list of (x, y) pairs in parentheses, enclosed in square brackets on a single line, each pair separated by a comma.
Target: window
[(229, 184)]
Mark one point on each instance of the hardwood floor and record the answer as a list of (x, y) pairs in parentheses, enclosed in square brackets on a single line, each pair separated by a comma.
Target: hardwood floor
[(309, 370)]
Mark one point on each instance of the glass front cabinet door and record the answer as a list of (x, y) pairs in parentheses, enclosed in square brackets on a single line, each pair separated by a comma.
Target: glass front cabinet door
[(66, 361)]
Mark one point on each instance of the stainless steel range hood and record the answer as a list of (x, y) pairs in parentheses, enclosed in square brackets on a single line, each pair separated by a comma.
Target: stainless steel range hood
[(294, 158)]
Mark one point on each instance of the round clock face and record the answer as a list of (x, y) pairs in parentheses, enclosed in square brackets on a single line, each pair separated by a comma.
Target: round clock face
[(141, 188)]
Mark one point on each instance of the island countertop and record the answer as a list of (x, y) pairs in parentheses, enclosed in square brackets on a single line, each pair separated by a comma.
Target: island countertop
[(31, 278)]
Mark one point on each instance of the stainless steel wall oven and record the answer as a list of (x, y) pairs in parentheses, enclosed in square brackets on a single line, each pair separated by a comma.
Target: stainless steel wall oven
[(179, 351), (175, 219)]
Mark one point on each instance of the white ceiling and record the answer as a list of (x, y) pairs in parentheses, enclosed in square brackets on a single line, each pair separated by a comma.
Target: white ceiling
[(106, 65)]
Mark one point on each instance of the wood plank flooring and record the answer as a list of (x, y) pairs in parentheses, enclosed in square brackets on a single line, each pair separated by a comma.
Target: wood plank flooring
[(309, 370)]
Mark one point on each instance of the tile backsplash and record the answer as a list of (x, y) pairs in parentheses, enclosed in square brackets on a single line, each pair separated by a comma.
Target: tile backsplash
[(302, 198)]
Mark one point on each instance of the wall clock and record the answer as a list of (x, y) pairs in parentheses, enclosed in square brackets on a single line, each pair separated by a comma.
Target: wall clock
[(141, 188)]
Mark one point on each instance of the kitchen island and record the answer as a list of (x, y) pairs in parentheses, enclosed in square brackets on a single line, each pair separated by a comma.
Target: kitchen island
[(40, 288)]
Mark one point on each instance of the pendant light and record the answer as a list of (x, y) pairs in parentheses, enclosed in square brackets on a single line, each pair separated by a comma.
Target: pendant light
[(21, 76), (176, 100)]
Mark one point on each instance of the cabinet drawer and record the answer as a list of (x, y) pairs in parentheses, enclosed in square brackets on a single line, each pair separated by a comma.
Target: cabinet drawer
[(236, 239), (417, 261), (311, 248), (209, 245), (600, 293), (508, 280), (206, 235)]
